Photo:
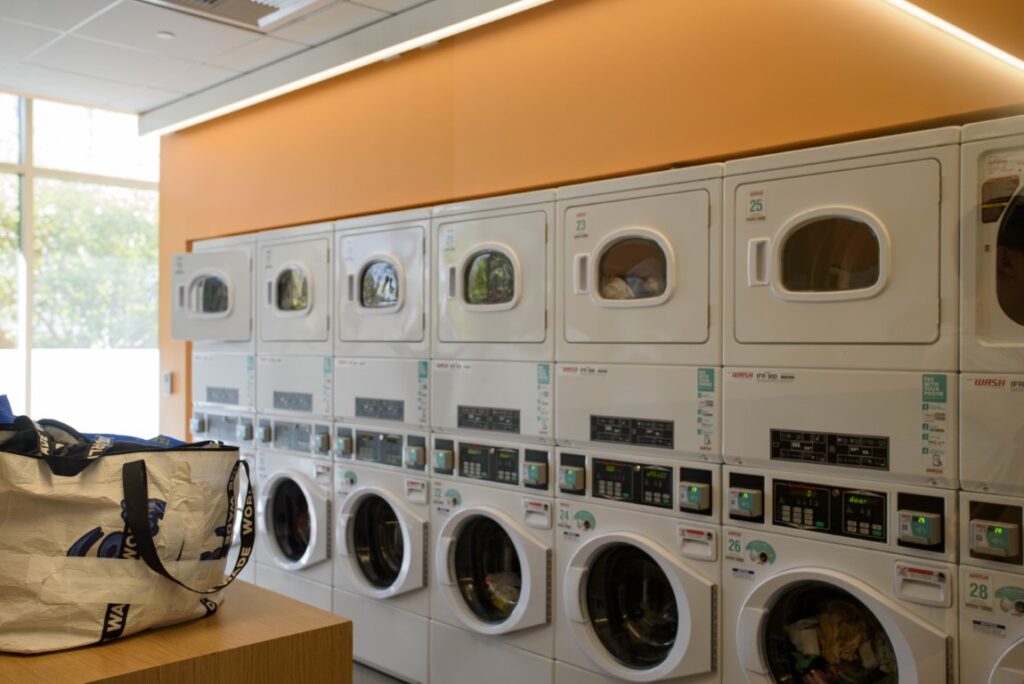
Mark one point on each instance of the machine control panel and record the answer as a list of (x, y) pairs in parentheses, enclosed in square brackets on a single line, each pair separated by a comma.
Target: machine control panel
[(695, 490), (830, 510), (572, 479), (415, 456), (920, 527), (494, 464), (444, 459), (994, 538), (746, 503), (827, 448), (636, 483), (298, 402), (535, 474), (379, 447), (637, 431)]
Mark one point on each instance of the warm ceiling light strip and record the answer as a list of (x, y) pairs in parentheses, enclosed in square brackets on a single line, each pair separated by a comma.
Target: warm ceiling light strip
[(366, 60), (957, 33)]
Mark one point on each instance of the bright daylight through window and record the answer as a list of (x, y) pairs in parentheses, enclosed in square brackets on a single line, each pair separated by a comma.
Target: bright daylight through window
[(78, 266)]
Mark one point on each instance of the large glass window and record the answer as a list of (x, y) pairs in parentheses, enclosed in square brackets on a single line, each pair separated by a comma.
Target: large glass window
[(78, 273), (377, 542), (487, 569), (831, 255), (490, 278)]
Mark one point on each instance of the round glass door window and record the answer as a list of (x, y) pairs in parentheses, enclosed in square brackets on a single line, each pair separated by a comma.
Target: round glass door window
[(209, 295), (487, 569), (1010, 260), (379, 288), (631, 606), (817, 632), (377, 541), (290, 520), (633, 268), (490, 278), (292, 290), (832, 254)]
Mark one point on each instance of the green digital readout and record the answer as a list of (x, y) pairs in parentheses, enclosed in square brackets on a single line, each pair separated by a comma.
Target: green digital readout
[(921, 521), (694, 490), (854, 499), (657, 474), (745, 495), (610, 468)]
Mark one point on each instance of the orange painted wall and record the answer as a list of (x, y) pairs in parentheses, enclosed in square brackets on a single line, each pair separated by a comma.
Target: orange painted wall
[(573, 90)]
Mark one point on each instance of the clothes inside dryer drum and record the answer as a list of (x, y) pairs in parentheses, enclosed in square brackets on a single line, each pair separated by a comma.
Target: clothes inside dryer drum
[(634, 268), (817, 633), (209, 295), (631, 606), (831, 255), (290, 517), (487, 569), (377, 541), (292, 290), (490, 278)]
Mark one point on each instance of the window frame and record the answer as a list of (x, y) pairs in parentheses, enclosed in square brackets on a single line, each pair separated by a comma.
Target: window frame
[(27, 172)]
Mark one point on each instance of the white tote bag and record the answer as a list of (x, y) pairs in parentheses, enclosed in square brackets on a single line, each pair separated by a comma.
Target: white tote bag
[(101, 538)]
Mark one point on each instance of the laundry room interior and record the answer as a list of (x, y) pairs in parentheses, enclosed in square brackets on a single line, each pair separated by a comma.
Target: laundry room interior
[(512, 341)]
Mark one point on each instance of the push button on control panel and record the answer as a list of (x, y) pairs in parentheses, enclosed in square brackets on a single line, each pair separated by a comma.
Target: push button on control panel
[(572, 479), (535, 474), (920, 528), (745, 503), (992, 538), (694, 496)]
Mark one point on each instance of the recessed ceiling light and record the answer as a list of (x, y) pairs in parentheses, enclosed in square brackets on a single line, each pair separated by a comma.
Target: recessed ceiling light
[(164, 35)]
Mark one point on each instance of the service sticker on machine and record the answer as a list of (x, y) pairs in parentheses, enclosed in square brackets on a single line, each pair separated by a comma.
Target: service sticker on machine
[(706, 409), (934, 414)]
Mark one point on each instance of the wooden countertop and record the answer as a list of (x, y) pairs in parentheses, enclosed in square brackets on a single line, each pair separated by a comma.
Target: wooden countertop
[(256, 636)]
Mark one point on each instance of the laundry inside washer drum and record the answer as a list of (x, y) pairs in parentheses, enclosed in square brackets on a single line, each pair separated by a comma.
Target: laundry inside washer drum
[(817, 633), (487, 569), (291, 523), (632, 607)]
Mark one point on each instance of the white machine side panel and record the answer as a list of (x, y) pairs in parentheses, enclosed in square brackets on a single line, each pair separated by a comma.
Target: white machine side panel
[(664, 409), (495, 398), (895, 425), (993, 263), (215, 279), (227, 380), (390, 640), (456, 652), (294, 586), (390, 390), (992, 433), (904, 198), (295, 385)]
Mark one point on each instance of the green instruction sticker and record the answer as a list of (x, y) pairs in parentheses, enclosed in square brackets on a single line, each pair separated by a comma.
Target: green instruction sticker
[(706, 379), (933, 387), (543, 373), (423, 366)]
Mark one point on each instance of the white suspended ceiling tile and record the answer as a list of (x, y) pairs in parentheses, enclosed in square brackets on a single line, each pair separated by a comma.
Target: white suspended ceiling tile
[(135, 24), (59, 15), (19, 40), (257, 53), (125, 65), (61, 85), (329, 22), (392, 6)]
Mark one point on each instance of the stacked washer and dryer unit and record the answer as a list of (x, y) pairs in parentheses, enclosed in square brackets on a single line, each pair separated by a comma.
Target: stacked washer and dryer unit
[(992, 404), (840, 412), (638, 354)]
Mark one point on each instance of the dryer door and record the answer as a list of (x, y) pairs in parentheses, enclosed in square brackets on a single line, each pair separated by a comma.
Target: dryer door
[(817, 255), (495, 576), (637, 611), (381, 285), (492, 279), (1010, 667), (637, 270), (294, 286), (296, 520), (211, 297), (382, 542), (802, 621)]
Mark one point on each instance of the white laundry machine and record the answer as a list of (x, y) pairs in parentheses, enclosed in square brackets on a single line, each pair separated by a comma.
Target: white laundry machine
[(235, 429), (382, 514), (212, 306), (826, 578), (640, 269), (897, 426), (295, 346), (638, 570), (491, 542), (293, 532), (992, 289), (992, 589)]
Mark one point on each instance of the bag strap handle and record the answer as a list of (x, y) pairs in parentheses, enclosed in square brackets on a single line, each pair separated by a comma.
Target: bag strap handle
[(135, 481)]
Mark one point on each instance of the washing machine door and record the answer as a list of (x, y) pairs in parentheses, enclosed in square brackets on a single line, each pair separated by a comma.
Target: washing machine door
[(995, 252), (295, 281), (637, 270), (495, 576), (296, 521), (638, 612), (1009, 668), (211, 296), (800, 621), (380, 285), (492, 279), (815, 255), (382, 541)]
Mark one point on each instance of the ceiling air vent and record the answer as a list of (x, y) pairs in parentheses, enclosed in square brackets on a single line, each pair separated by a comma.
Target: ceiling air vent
[(260, 15)]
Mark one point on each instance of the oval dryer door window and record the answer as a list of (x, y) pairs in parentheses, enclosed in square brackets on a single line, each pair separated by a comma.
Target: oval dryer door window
[(377, 542), (487, 569), (490, 279), (379, 285), (292, 526), (831, 254), (1010, 260), (632, 268), (631, 606), (209, 295), (292, 290), (815, 631)]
